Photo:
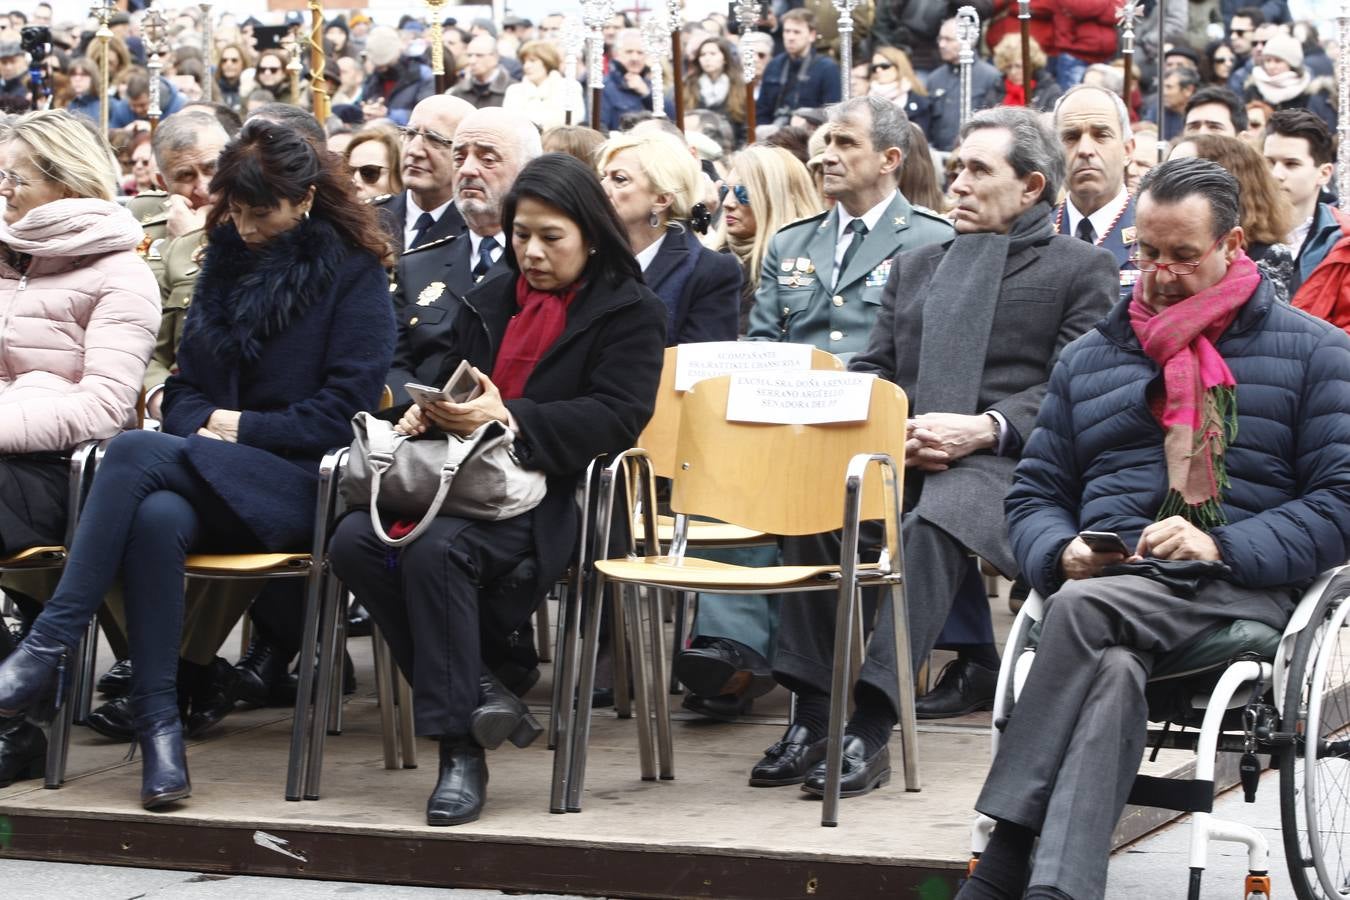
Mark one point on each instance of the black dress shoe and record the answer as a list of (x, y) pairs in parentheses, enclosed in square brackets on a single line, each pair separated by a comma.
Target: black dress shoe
[(23, 751), (861, 773), (461, 788), (257, 671), (501, 715), (32, 678), (788, 761), (116, 682), (963, 686), (210, 694), (358, 620), (713, 666), (114, 719), (726, 708), (164, 774)]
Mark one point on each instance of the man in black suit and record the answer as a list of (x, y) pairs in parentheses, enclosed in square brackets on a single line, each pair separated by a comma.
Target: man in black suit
[(490, 148), (424, 212)]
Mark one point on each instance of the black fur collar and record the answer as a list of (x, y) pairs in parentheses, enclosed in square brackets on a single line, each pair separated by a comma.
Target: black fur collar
[(243, 296)]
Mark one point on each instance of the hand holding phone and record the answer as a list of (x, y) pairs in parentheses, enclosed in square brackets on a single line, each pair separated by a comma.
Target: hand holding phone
[(462, 387), (1104, 542)]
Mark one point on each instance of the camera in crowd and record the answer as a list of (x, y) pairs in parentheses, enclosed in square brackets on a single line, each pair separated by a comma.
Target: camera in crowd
[(35, 39)]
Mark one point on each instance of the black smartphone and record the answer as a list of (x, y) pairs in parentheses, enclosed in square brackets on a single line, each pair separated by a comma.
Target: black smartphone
[(1104, 542)]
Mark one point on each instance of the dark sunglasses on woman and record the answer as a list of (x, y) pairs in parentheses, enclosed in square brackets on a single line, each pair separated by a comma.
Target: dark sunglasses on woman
[(369, 174), (742, 195)]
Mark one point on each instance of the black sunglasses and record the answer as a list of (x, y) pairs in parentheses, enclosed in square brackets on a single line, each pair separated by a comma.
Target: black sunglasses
[(881, 67), (269, 69), (370, 174), (742, 194)]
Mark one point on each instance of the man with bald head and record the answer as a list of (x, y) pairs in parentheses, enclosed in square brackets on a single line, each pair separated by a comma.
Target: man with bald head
[(424, 212)]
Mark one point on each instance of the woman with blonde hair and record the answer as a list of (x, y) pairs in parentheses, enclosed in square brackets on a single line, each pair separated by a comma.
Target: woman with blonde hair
[(655, 185), (79, 329), (766, 189), (542, 95), (891, 77), (373, 157), (1008, 60)]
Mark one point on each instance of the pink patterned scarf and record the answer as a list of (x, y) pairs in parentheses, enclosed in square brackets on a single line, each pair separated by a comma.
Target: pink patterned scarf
[(1198, 409)]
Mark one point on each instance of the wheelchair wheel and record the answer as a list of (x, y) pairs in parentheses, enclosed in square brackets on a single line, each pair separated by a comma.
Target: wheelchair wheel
[(1315, 770)]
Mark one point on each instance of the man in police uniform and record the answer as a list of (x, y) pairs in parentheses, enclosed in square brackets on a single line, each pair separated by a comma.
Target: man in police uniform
[(822, 277), (1094, 128), (425, 211)]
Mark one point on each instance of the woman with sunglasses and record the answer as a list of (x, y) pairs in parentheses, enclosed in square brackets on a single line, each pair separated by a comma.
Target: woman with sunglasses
[(893, 79), (291, 333), (766, 189), (715, 82), (655, 186), (80, 324), (270, 75), (1219, 62), (566, 344), (373, 159), (230, 65)]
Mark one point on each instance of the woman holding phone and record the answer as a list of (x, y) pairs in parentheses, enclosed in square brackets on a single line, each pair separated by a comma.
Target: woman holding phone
[(566, 347)]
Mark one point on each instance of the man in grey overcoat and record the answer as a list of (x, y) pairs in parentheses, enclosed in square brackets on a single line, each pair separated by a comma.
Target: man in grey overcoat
[(970, 329)]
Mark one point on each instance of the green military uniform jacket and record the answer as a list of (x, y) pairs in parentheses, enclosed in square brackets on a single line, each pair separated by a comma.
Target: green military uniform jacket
[(175, 262), (798, 301)]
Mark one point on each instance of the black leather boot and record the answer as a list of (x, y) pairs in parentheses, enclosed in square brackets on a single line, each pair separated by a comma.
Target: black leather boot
[(23, 751), (258, 670), (32, 678), (502, 715), (461, 788), (113, 719), (210, 696), (164, 774)]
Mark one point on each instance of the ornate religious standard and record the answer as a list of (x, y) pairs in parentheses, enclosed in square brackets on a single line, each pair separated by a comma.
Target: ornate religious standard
[(1024, 23), (318, 85), (747, 13), (154, 30), (437, 46), (595, 13), (967, 35), (291, 44), (656, 43), (209, 53), (1126, 16), (845, 9), (1343, 103), (103, 12), (674, 20), (573, 42)]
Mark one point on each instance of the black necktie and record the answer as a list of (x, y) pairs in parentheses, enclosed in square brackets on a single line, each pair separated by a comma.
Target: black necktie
[(420, 229), (1085, 231), (859, 229), (485, 248)]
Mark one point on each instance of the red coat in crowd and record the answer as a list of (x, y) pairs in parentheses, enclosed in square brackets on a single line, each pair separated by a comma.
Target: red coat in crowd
[(1004, 22), (1326, 293), (1086, 29)]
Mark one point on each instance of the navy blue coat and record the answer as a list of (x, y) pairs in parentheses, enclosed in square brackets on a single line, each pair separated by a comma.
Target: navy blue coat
[(297, 337), (616, 100), (777, 91), (701, 289), (1095, 459)]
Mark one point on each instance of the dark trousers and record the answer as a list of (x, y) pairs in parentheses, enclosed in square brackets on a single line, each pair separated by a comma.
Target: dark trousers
[(433, 601), (936, 565), (146, 510), (33, 500), (1073, 744)]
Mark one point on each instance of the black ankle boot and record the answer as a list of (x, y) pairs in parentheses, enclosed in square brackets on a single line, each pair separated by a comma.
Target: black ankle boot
[(23, 751), (502, 715), (32, 678), (461, 788), (164, 774), (258, 670)]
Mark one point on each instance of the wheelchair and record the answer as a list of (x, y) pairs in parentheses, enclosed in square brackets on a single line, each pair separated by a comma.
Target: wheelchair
[(1249, 689)]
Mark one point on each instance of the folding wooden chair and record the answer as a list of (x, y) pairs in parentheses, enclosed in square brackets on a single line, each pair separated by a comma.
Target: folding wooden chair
[(776, 479)]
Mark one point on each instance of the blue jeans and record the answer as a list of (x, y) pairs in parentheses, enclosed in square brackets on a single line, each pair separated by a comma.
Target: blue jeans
[(1069, 70), (147, 508)]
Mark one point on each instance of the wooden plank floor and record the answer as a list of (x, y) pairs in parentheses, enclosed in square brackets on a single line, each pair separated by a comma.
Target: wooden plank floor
[(705, 834)]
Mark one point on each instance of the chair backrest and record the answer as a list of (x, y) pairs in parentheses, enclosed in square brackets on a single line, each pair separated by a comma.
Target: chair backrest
[(661, 433), (780, 479), (386, 398)]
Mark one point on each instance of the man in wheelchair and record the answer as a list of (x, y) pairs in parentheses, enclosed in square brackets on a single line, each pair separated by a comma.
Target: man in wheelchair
[(1209, 427)]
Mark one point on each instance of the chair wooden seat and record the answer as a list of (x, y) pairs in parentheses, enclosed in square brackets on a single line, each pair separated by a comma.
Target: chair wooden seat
[(34, 556), (709, 533), (711, 575), (206, 564)]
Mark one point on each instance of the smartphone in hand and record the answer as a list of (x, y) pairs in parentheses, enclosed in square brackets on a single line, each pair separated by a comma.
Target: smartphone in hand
[(462, 387), (1104, 542)]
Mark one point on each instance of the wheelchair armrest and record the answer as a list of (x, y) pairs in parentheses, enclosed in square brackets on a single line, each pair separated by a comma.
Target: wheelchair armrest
[(1298, 621)]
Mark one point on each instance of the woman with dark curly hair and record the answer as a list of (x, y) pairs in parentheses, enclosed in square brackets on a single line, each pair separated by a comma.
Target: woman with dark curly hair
[(290, 334)]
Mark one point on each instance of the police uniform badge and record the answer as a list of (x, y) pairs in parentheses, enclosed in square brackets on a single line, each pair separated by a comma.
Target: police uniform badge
[(1129, 235), (431, 293)]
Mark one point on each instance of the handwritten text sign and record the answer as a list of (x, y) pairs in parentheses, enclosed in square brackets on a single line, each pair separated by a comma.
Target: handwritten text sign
[(694, 362), (810, 398)]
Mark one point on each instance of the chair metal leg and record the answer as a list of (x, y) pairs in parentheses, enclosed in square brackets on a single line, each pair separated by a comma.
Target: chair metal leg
[(541, 642), (618, 644), (562, 718), (665, 749), (339, 665), (84, 685), (245, 636), (904, 667), (300, 731), (840, 682), (680, 600), (641, 671), (581, 731), (333, 594), (407, 737), (384, 696), (63, 720)]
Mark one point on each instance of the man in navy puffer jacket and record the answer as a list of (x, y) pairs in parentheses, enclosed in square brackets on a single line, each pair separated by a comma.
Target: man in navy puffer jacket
[(1116, 448)]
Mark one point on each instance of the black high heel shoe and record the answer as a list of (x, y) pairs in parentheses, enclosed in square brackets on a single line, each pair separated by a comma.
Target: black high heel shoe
[(164, 774), (33, 678), (502, 715), (461, 788)]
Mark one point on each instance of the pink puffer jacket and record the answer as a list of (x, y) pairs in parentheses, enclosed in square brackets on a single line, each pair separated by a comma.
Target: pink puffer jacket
[(76, 329)]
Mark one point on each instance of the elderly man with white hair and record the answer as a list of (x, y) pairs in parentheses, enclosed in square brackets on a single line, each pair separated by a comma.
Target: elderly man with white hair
[(628, 86)]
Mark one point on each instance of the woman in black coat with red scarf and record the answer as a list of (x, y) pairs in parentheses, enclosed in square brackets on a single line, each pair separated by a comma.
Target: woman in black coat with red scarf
[(568, 349)]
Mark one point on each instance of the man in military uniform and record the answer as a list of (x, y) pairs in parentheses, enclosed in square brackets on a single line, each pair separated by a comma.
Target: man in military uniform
[(821, 284), (425, 211)]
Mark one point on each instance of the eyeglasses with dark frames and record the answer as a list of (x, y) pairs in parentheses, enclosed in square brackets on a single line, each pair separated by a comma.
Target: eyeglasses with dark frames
[(408, 134), (370, 174)]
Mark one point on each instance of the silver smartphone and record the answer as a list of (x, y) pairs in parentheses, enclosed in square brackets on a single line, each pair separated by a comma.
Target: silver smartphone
[(1104, 542), (462, 387)]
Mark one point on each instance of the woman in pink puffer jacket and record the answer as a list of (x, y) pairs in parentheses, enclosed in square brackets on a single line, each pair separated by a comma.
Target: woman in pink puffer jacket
[(79, 310)]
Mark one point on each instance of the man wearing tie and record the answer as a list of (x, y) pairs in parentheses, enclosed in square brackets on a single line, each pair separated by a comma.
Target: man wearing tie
[(424, 211)]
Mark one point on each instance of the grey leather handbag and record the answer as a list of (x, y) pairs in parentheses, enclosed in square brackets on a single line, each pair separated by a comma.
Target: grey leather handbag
[(476, 476)]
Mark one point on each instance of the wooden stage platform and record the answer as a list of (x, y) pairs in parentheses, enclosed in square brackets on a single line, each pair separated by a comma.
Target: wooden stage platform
[(704, 834)]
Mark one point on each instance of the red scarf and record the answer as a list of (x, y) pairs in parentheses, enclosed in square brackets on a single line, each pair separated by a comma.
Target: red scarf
[(1014, 93), (536, 326), (1326, 293), (1198, 409)]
